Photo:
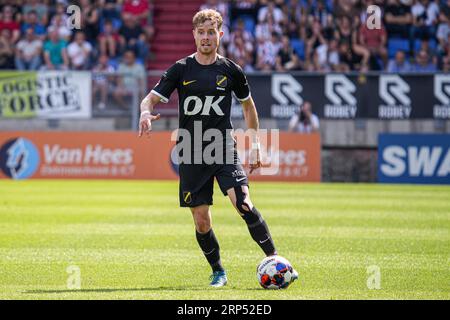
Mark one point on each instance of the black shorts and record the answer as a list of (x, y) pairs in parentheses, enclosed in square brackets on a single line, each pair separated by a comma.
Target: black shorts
[(197, 181)]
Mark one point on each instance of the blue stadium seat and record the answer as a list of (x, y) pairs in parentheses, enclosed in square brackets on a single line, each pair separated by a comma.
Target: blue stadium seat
[(114, 62), (396, 44), (432, 44), (249, 23), (299, 47)]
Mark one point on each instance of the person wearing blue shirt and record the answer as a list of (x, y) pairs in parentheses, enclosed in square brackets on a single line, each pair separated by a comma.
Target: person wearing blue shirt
[(399, 63), (31, 21), (423, 63)]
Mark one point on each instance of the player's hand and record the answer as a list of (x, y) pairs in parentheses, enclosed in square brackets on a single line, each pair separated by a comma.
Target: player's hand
[(255, 159), (145, 123)]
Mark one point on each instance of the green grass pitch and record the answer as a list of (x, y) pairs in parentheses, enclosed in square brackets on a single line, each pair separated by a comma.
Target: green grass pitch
[(130, 240)]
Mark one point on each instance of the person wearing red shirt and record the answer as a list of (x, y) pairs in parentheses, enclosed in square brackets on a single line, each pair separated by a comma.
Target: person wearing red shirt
[(7, 22), (139, 9), (375, 41)]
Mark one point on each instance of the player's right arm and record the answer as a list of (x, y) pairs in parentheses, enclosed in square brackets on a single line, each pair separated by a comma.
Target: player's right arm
[(147, 105), (161, 92)]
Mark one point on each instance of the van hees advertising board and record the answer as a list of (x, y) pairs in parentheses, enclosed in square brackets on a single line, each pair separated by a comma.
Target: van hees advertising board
[(122, 155)]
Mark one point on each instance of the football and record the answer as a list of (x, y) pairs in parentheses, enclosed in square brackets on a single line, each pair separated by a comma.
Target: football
[(274, 272)]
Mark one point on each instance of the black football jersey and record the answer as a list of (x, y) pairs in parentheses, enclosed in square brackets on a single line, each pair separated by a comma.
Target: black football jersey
[(204, 91)]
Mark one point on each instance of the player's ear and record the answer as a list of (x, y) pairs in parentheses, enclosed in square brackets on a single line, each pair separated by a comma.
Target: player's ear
[(221, 34)]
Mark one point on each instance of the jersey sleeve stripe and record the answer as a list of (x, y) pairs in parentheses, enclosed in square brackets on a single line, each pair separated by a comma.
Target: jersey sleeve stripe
[(244, 99), (163, 99)]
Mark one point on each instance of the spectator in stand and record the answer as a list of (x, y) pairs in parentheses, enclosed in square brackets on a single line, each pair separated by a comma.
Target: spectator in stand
[(241, 50), (41, 10), (399, 64), (321, 13), (246, 65), (315, 38), (31, 21), (325, 57), (425, 45), (16, 6), (267, 53), (375, 41), (109, 41), (445, 66), (424, 63), (333, 55), (286, 59), (7, 22), (28, 51), (132, 37), (425, 15), (346, 8), (102, 77), (445, 55), (304, 120), (90, 17), (243, 7), (60, 26), (398, 19), (6, 50), (265, 29), (272, 10), (139, 11), (131, 78), (443, 30), (239, 30), (60, 13), (347, 60), (220, 6), (79, 52), (110, 10), (345, 34), (55, 52)]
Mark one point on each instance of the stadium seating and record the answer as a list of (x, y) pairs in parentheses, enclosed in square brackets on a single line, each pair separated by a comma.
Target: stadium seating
[(299, 47), (396, 44)]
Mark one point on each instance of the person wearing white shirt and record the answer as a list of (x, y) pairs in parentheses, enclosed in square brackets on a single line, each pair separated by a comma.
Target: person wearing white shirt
[(425, 15), (304, 121), (28, 52), (271, 9), (79, 52)]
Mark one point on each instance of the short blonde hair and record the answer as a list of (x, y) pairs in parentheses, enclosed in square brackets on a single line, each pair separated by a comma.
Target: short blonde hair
[(207, 14)]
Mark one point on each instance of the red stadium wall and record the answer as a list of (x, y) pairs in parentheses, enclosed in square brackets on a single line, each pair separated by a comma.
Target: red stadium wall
[(122, 155)]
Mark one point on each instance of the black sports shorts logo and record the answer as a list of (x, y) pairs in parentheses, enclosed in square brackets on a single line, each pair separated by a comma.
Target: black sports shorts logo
[(187, 197)]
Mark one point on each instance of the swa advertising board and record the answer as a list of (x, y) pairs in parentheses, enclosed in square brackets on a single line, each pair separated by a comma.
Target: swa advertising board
[(414, 158)]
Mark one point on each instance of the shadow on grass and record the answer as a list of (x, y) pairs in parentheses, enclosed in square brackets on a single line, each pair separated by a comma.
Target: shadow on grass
[(107, 290)]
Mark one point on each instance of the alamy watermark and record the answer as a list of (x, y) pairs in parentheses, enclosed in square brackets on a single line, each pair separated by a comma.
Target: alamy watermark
[(214, 146), (74, 17), (374, 279), (373, 20), (74, 278)]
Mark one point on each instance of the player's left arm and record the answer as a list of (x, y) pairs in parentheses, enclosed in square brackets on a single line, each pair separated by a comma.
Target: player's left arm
[(252, 122)]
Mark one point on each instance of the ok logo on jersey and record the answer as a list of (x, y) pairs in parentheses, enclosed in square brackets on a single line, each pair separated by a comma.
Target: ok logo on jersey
[(194, 105)]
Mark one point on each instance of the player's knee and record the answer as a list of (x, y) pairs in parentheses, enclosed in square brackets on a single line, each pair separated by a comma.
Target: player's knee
[(201, 219), (203, 227), (202, 224), (245, 206)]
